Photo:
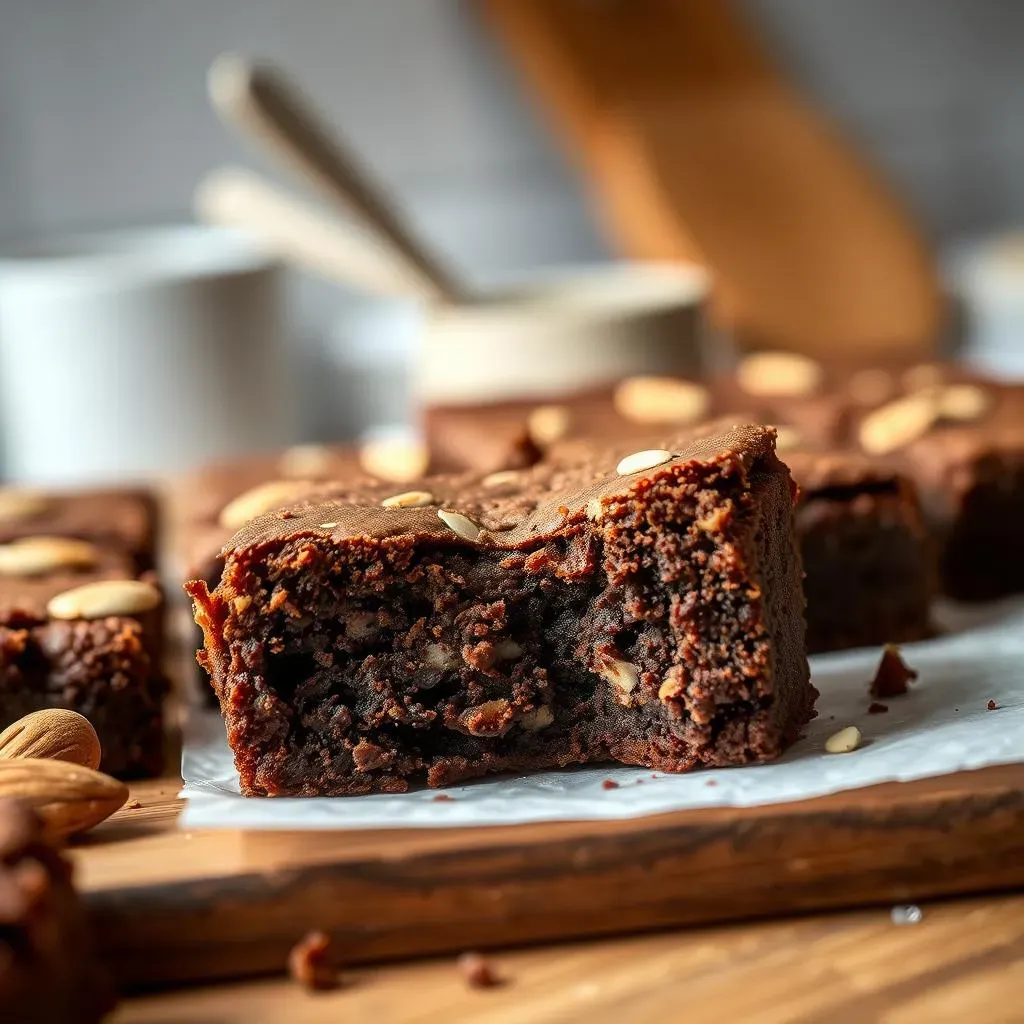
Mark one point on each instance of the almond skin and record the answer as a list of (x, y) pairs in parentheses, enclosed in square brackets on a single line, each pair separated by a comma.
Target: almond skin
[(54, 733), (67, 797)]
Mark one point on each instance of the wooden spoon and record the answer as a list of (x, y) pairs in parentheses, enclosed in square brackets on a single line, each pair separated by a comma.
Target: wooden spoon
[(259, 100), (695, 142)]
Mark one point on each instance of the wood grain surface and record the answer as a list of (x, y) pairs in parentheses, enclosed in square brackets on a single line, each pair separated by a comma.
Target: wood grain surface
[(175, 906), (963, 962)]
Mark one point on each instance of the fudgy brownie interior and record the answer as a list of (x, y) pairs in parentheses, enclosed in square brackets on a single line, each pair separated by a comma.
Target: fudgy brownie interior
[(563, 614)]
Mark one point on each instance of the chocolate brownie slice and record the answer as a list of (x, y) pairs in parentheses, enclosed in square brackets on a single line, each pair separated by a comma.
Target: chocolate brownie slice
[(117, 521), (89, 640), (49, 969), (868, 562), (645, 609)]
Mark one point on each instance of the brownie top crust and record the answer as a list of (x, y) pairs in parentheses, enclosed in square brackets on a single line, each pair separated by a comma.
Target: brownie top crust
[(509, 508)]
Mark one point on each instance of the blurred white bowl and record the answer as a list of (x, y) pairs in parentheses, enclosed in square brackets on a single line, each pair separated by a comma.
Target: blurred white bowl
[(136, 353)]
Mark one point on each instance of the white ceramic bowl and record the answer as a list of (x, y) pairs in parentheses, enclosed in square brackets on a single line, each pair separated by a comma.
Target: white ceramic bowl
[(132, 354), (569, 330)]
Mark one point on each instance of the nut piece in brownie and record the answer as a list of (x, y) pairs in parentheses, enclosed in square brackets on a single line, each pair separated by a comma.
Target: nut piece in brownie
[(117, 521), (868, 563), (49, 969), (78, 630), (645, 609)]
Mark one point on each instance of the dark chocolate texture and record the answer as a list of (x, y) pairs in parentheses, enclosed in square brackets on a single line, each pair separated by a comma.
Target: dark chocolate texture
[(572, 615)]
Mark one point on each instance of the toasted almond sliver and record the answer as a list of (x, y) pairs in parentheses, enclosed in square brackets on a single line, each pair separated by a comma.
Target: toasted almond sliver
[(306, 460), (261, 499), (898, 423), (661, 400), (459, 524), (639, 461), (623, 675), (399, 460), (501, 478), (964, 402), (102, 598), (844, 741), (409, 499), (37, 556), (548, 424), (779, 374)]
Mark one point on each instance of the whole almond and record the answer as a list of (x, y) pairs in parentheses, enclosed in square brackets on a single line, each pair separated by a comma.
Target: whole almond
[(54, 733), (69, 798)]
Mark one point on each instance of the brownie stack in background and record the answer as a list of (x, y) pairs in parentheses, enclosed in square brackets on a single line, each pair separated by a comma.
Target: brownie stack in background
[(331, 630), (81, 617)]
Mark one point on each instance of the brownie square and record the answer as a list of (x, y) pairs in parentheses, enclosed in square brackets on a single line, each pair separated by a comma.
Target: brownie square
[(868, 562), (962, 441), (91, 641), (124, 521), (646, 610)]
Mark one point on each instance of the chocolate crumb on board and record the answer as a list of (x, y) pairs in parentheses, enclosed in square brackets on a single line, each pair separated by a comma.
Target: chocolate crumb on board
[(991, 705), (478, 971), (874, 708), (892, 675), (442, 798), (309, 963), (609, 784)]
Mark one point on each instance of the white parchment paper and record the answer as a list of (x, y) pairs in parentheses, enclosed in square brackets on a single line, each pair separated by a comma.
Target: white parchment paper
[(941, 726)]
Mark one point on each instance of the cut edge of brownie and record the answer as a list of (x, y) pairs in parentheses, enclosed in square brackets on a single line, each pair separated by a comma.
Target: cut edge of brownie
[(662, 627)]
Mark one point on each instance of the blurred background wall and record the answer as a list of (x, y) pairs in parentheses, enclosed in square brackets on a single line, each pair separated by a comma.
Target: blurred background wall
[(104, 122)]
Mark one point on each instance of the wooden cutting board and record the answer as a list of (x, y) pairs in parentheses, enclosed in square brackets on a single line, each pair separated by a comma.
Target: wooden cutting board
[(174, 906), (696, 147)]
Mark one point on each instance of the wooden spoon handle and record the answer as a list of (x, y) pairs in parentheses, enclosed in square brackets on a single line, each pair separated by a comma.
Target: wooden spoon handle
[(300, 234), (261, 102)]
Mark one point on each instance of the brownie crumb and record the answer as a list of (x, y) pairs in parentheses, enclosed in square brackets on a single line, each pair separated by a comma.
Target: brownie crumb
[(478, 971), (133, 805), (609, 784), (991, 705), (874, 708), (443, 798), (309, 963), (892, 675)]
